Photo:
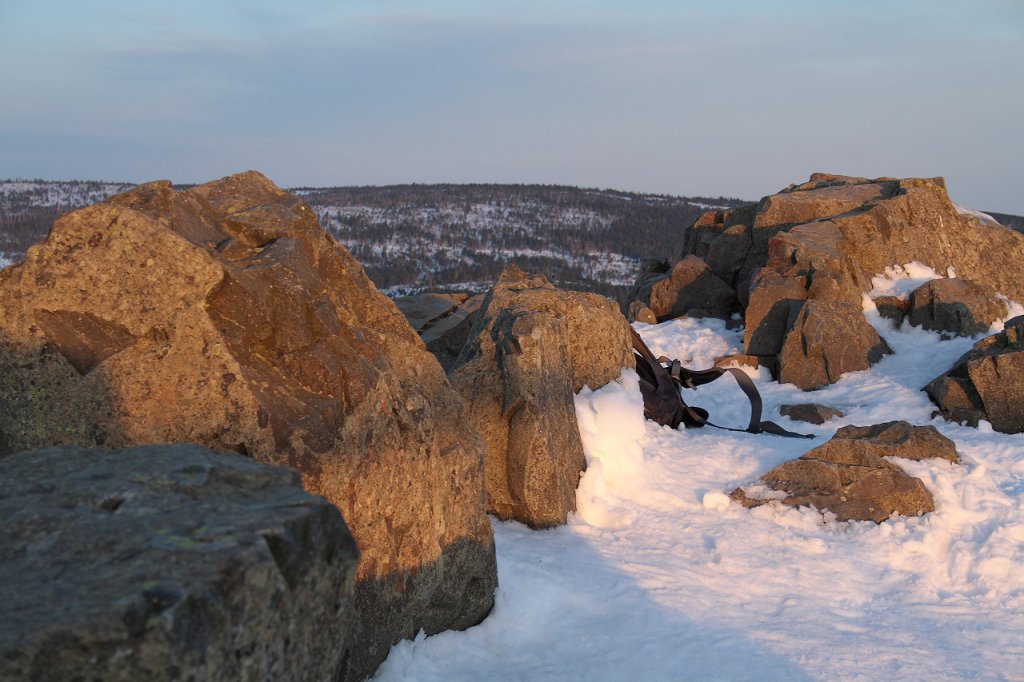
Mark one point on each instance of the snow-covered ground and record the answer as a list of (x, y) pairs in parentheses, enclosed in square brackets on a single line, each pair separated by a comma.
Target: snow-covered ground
[(659, 577)]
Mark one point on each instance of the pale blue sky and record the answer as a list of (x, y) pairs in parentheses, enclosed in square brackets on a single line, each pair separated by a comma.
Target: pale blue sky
[(725, 97)]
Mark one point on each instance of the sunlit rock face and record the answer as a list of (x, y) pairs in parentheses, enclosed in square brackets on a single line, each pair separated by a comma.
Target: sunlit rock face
[(823, 241), (224, 315), (851, 476), (532, 347)]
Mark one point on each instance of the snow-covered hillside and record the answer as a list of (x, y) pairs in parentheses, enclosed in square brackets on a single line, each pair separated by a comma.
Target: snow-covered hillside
[(29, 207), (416, 237), (659, 577), (18, 194)]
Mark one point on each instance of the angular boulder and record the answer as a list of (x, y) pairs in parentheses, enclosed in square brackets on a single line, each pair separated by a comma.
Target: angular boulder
[(689, 288), (533, 347), (955, 306), (225, 315), (825, 340), (824, 240), (849, 477), (169, 562), (987, 382)]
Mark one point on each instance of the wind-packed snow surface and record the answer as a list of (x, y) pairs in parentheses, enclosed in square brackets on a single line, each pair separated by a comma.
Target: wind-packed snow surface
[(659, 577)]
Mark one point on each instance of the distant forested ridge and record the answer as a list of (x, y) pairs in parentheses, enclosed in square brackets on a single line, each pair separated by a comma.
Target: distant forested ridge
[(413, 238), (423, 237)]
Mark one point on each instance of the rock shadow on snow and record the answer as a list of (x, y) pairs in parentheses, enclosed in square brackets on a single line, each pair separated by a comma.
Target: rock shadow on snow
[(553, 625)]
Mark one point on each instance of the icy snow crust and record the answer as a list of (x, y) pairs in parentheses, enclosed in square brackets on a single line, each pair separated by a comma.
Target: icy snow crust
[(659, 577)]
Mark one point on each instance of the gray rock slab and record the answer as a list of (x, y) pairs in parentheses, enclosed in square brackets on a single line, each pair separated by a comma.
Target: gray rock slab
[(169, 562)]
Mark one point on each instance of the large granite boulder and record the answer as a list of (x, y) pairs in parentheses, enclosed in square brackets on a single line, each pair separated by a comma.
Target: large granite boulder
[(689, 288), (169, 562), (849, 477), (955, 306), (987, 382), (225, 315), (824, 240), (533, 347)]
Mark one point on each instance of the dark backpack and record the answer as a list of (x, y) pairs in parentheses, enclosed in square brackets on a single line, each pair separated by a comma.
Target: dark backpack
[(663, 401)]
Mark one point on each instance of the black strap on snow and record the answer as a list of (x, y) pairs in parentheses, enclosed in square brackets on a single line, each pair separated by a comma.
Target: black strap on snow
[(664, 404)]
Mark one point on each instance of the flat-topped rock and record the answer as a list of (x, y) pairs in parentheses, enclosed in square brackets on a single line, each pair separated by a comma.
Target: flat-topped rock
[(425, 310)]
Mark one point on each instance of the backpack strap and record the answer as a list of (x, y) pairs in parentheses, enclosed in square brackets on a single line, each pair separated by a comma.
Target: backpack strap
[(676, 376)]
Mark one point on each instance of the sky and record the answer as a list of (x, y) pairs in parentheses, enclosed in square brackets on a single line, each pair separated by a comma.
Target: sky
[(692, 98)]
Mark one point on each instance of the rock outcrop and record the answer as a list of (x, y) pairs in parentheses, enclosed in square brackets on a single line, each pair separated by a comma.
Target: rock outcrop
[(987, 382), (955, 306), (689, 288), (169, 562), (849, 477), (822, 241), (224, 315), (533, 347)]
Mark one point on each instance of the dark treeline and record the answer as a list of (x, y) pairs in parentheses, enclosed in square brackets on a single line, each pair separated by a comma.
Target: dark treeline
[(1014, 222)]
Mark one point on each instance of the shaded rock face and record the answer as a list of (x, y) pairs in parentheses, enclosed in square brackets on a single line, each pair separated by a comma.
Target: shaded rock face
[(893, 308), (423, 311), (533, 347), (689, 288), (955, 306), (224, 315), (987, 382), (824, 240), (849, 477), (443, 321), (169, 562)]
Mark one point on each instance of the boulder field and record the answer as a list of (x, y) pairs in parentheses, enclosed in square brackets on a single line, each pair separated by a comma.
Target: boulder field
[(800, 260)]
